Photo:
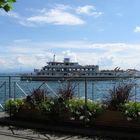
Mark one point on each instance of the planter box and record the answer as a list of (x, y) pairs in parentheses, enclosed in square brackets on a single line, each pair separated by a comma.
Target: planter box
[(115, 119), (36, 116), (112, 119), (30, 115)]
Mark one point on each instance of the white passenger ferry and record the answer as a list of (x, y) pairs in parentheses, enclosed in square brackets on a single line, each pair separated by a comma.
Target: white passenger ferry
[(57, 70)]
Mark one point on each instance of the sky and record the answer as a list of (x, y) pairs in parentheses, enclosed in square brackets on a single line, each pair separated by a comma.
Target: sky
[(91, 32)]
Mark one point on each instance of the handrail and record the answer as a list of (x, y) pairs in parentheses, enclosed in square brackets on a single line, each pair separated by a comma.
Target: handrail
[(2, 84), (21, 89), (1, 106), (51, 90)]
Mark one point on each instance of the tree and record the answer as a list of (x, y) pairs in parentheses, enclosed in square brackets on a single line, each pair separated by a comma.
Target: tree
[(6, 4)]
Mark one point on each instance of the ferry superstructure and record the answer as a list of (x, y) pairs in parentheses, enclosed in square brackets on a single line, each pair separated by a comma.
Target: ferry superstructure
[(66, 69)]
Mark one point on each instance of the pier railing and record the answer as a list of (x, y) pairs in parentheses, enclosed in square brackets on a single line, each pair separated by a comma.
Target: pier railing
[(93, 89)]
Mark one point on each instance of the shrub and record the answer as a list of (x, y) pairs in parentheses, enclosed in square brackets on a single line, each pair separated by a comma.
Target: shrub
[(131, 110), (66, 91), (59, 109), (37, 96), (80, 111), (118, 95), (13, 106)]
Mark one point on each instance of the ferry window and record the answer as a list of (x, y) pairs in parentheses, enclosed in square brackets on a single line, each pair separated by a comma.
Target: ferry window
[(62, 69), (69, 69), (78, 69), (73, 69)]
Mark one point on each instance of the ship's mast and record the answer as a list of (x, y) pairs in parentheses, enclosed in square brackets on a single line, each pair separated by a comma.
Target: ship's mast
[(54, 58)]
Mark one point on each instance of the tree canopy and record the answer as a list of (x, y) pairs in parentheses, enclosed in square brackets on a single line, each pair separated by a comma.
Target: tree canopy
[(6, 4)]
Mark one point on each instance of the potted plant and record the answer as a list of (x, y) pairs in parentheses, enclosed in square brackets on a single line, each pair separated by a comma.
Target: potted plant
[(132, 111), (117, 96)]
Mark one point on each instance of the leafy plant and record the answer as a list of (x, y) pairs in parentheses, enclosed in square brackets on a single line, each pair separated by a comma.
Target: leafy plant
[(66, 91), (59, 110), (118, 95), (86, 112), (39, 95), (131, 110), (13, 106), (6, 4)]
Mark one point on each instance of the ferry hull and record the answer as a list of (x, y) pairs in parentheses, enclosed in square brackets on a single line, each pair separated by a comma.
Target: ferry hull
[(48, 78)]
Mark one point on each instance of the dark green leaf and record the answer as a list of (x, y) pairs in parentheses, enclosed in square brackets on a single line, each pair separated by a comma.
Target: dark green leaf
[(11, 1), (7, 7), (2, 3)]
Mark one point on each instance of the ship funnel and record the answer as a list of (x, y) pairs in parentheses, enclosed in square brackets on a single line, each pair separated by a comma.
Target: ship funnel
[(66, 60)]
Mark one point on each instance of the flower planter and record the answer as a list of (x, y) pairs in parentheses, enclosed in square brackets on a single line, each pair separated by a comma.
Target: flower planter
[(30, 115), (111, 118), (115, 119)]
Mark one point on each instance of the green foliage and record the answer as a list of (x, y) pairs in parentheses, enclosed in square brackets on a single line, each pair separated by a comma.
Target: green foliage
[(6, 4), (37, 96), (45, 106), (13, 106), (81, 111), (118, 95), (57, 109), (131, 110)]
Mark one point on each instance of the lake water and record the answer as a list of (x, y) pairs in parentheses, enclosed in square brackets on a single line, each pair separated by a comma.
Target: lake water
[(96, 90)]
